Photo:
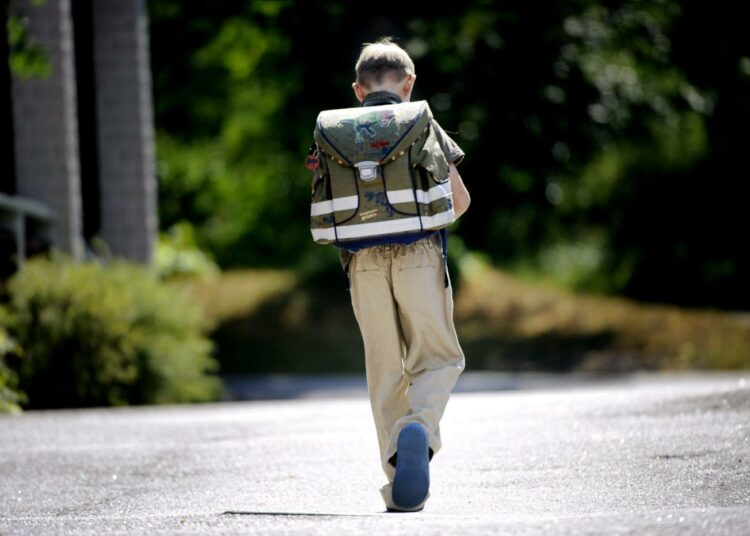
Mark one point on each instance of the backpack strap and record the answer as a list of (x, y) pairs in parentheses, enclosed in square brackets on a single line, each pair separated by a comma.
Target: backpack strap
[(444, 241)]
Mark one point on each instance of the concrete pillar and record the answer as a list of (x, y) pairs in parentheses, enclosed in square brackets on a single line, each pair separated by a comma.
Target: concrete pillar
[(46, 126), (127, 178)]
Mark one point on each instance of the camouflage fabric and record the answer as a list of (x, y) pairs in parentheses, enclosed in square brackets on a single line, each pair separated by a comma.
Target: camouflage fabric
[(381, 172)]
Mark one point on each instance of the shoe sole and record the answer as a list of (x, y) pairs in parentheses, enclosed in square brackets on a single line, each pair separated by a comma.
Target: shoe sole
[(411, 482)]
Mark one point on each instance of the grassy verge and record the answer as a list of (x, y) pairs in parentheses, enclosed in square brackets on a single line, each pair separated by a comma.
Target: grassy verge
[(268, 322), (505, 322)]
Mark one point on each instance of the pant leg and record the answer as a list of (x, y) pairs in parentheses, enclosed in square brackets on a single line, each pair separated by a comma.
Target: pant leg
[(376, 314), (433, 359)]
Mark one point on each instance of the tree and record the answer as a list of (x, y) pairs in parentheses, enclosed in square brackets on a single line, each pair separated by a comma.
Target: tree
[(592, 129)]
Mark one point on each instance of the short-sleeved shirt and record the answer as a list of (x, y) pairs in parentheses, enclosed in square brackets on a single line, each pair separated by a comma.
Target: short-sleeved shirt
[(453, 154), (452, 151)]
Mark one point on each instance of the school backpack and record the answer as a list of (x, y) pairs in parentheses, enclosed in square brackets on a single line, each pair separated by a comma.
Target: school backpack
[(377, 171)]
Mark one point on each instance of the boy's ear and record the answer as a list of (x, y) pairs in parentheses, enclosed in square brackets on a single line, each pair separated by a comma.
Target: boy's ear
[(359, 92), (409, 84)]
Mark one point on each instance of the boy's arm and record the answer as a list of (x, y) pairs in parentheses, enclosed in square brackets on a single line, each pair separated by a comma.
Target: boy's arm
[(455, 155), (461, 198)]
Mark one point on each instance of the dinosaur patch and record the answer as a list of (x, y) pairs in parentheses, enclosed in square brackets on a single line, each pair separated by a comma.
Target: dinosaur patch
[(365, 124)]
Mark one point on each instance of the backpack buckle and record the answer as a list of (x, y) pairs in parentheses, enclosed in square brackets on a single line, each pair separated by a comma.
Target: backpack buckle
[(368, 170)]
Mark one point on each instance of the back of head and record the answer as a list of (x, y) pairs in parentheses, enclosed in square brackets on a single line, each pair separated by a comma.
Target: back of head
[(380, 61)]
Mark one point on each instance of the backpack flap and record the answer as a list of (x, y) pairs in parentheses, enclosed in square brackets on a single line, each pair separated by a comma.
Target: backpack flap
[(371, 133), (378, 173)]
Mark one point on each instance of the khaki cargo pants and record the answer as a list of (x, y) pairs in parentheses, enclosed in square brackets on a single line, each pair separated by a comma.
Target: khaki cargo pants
[(412, 355)]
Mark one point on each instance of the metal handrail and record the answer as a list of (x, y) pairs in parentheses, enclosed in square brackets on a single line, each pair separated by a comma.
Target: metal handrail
[(22, 208)]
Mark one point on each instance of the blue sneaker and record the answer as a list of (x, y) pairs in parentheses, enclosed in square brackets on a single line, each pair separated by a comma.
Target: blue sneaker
[(411, 482)]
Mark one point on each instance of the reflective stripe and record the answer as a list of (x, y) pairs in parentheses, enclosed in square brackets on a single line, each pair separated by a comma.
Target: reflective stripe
[(362, 230), (327, 207), (433, 194), (397, 196)]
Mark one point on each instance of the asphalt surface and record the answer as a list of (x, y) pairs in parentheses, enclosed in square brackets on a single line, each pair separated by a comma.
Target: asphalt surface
[(638, 455)]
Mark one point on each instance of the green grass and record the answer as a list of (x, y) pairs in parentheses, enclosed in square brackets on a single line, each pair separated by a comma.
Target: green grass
[(269, 322)]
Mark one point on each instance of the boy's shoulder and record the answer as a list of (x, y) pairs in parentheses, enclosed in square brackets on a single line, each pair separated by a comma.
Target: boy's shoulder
[(453, 153)]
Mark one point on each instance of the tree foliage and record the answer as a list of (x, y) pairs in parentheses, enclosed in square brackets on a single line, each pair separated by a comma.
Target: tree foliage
[(604, 139)]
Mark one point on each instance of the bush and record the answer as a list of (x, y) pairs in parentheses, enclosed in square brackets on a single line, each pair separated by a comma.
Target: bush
[(178, 254), (98, 335), (10, 396)]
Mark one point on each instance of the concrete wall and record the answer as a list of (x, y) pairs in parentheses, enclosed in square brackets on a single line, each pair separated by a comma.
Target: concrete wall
[(125, 125), (46, 127)]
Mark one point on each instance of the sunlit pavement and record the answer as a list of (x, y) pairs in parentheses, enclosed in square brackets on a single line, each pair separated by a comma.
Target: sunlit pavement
[(640, 454)]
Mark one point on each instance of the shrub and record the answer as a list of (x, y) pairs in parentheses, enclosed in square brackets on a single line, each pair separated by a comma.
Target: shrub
[(110, 334), (178, 254), (10, 395)]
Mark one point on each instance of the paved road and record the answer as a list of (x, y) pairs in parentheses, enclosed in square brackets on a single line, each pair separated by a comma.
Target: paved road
[(643, 454)]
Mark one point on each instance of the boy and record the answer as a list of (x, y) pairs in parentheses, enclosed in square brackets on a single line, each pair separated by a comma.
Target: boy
[(403, 304)]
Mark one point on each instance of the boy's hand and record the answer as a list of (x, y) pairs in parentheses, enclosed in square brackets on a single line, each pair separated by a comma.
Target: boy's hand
[(461, 198)]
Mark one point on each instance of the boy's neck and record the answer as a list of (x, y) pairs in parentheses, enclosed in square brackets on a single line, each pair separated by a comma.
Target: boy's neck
[(381, 96)]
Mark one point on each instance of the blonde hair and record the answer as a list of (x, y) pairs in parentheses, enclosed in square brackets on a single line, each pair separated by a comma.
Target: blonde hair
[(380, 59)]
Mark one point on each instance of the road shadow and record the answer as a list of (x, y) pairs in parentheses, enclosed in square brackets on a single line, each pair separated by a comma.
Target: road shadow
[(296, 514)]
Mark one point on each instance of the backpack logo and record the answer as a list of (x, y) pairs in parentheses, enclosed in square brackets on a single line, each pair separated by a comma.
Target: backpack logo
[(365, 124)]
